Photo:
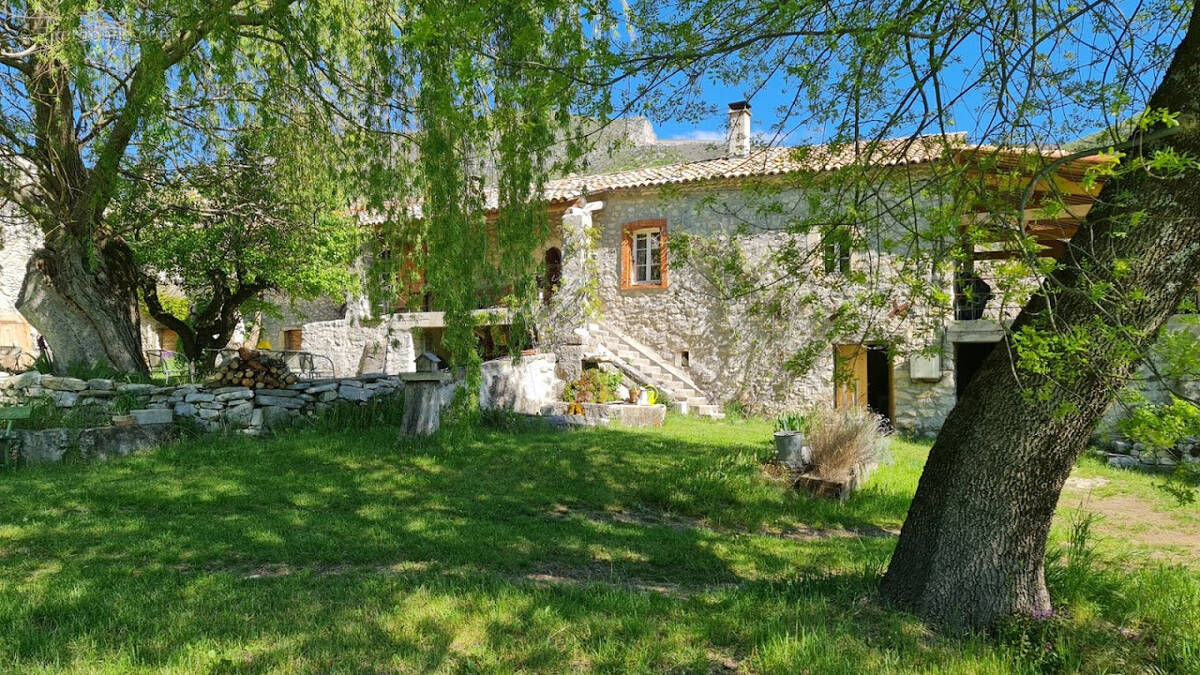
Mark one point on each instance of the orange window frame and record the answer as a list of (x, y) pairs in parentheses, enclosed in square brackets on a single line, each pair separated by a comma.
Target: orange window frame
[(627, 232)]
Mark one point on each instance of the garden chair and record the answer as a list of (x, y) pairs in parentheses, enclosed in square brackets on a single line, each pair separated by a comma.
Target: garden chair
[(11, 414), (171, 364)]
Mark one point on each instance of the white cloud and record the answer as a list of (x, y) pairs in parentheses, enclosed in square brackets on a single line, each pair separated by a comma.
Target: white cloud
[(698, 135)]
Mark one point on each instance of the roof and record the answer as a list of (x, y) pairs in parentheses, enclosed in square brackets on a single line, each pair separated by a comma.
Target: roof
[(781, 160)]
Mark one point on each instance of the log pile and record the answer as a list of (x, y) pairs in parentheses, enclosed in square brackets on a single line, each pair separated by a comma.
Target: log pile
[(255, 370)]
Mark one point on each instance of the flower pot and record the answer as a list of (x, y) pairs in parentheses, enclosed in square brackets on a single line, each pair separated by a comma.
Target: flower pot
[(122, 420), (790, 450)]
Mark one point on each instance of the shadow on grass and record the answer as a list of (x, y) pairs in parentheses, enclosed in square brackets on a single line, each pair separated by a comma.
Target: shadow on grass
[(238, 554)]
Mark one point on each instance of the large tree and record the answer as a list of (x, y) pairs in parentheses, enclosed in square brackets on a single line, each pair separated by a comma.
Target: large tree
[(1018, 76), (230, 236), (397, 102), (973, 544), (92, 89)]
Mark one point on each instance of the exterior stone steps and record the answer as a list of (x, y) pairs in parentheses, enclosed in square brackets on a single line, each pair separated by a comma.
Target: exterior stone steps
[(647, 367), (710, 411)]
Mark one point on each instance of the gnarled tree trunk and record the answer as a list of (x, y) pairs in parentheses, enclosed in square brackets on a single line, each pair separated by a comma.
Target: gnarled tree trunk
[(973, 544), (84, 303)]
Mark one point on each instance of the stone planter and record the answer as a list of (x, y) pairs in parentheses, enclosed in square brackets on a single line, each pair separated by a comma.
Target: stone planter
[(790, 450), (623, 413)]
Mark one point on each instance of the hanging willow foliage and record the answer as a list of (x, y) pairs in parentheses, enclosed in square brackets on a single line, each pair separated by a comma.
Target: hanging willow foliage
[(492, 121), (373, 102)]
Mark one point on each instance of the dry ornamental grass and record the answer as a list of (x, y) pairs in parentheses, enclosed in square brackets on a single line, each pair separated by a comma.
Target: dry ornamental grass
[(843, 439)]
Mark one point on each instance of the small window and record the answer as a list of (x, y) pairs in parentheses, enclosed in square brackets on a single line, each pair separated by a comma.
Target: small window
[(836, 248), (644, 254), (293, 340), (647, 267)]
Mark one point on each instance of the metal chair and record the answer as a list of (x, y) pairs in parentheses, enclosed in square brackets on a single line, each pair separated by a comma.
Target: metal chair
[(171, 364)]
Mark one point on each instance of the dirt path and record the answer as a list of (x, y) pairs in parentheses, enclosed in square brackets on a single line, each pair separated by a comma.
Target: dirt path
[(1157, 527)]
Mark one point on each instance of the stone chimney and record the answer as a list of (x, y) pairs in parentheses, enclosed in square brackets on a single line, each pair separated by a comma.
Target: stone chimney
[(739, 129)]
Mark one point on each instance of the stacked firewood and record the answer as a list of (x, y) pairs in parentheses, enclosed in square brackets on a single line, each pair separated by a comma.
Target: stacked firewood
[(255, 370)]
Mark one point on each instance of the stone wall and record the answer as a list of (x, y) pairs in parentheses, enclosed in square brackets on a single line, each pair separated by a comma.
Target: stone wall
[(53, 445), (240, 409), (19, 238), (524, 387), (357, 345)]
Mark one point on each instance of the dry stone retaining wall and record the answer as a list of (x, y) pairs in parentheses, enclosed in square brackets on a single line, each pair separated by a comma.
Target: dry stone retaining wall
[(523, 387), (241, 409)]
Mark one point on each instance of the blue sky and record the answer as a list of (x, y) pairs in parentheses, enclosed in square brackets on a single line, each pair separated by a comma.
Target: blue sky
[(1083, 55)]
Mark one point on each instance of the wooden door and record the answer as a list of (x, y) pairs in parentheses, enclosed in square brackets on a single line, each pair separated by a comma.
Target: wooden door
[(849, 376), (168, 340), (14, 332), (16, 342)]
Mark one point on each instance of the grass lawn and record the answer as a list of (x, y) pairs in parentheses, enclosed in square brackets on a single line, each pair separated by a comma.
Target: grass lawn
[(609, 550)]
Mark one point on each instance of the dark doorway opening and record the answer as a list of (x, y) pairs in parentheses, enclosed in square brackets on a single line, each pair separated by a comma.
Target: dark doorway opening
[(552, 260), (968, 357), (879, 381)]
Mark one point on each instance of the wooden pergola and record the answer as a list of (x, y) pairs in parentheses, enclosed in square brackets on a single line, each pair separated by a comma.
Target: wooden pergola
[(1047, 192)]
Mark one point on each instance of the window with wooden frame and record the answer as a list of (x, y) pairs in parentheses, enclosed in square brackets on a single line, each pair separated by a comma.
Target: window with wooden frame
[(644, 254)]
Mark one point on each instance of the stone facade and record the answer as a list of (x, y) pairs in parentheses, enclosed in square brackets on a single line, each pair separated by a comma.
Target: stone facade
[(18, 240), (736, 355)]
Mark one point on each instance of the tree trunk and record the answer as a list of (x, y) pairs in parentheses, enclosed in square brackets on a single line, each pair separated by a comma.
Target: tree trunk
[(85, 305), (208, 331), (973, 544)]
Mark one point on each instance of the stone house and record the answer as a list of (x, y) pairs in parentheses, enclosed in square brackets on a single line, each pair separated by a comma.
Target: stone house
[(654, 247), (668, 319)]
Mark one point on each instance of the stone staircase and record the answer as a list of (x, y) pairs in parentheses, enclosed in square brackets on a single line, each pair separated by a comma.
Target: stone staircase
[(646, 367)]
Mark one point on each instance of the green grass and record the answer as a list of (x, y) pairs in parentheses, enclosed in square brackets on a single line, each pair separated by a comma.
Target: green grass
[(610, 550)]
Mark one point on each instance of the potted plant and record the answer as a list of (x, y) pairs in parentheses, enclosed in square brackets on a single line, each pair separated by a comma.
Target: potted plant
[(634, 395), (790, 449)]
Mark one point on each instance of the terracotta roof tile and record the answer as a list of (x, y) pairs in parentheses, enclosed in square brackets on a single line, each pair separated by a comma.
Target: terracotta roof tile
[(771, 161)]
